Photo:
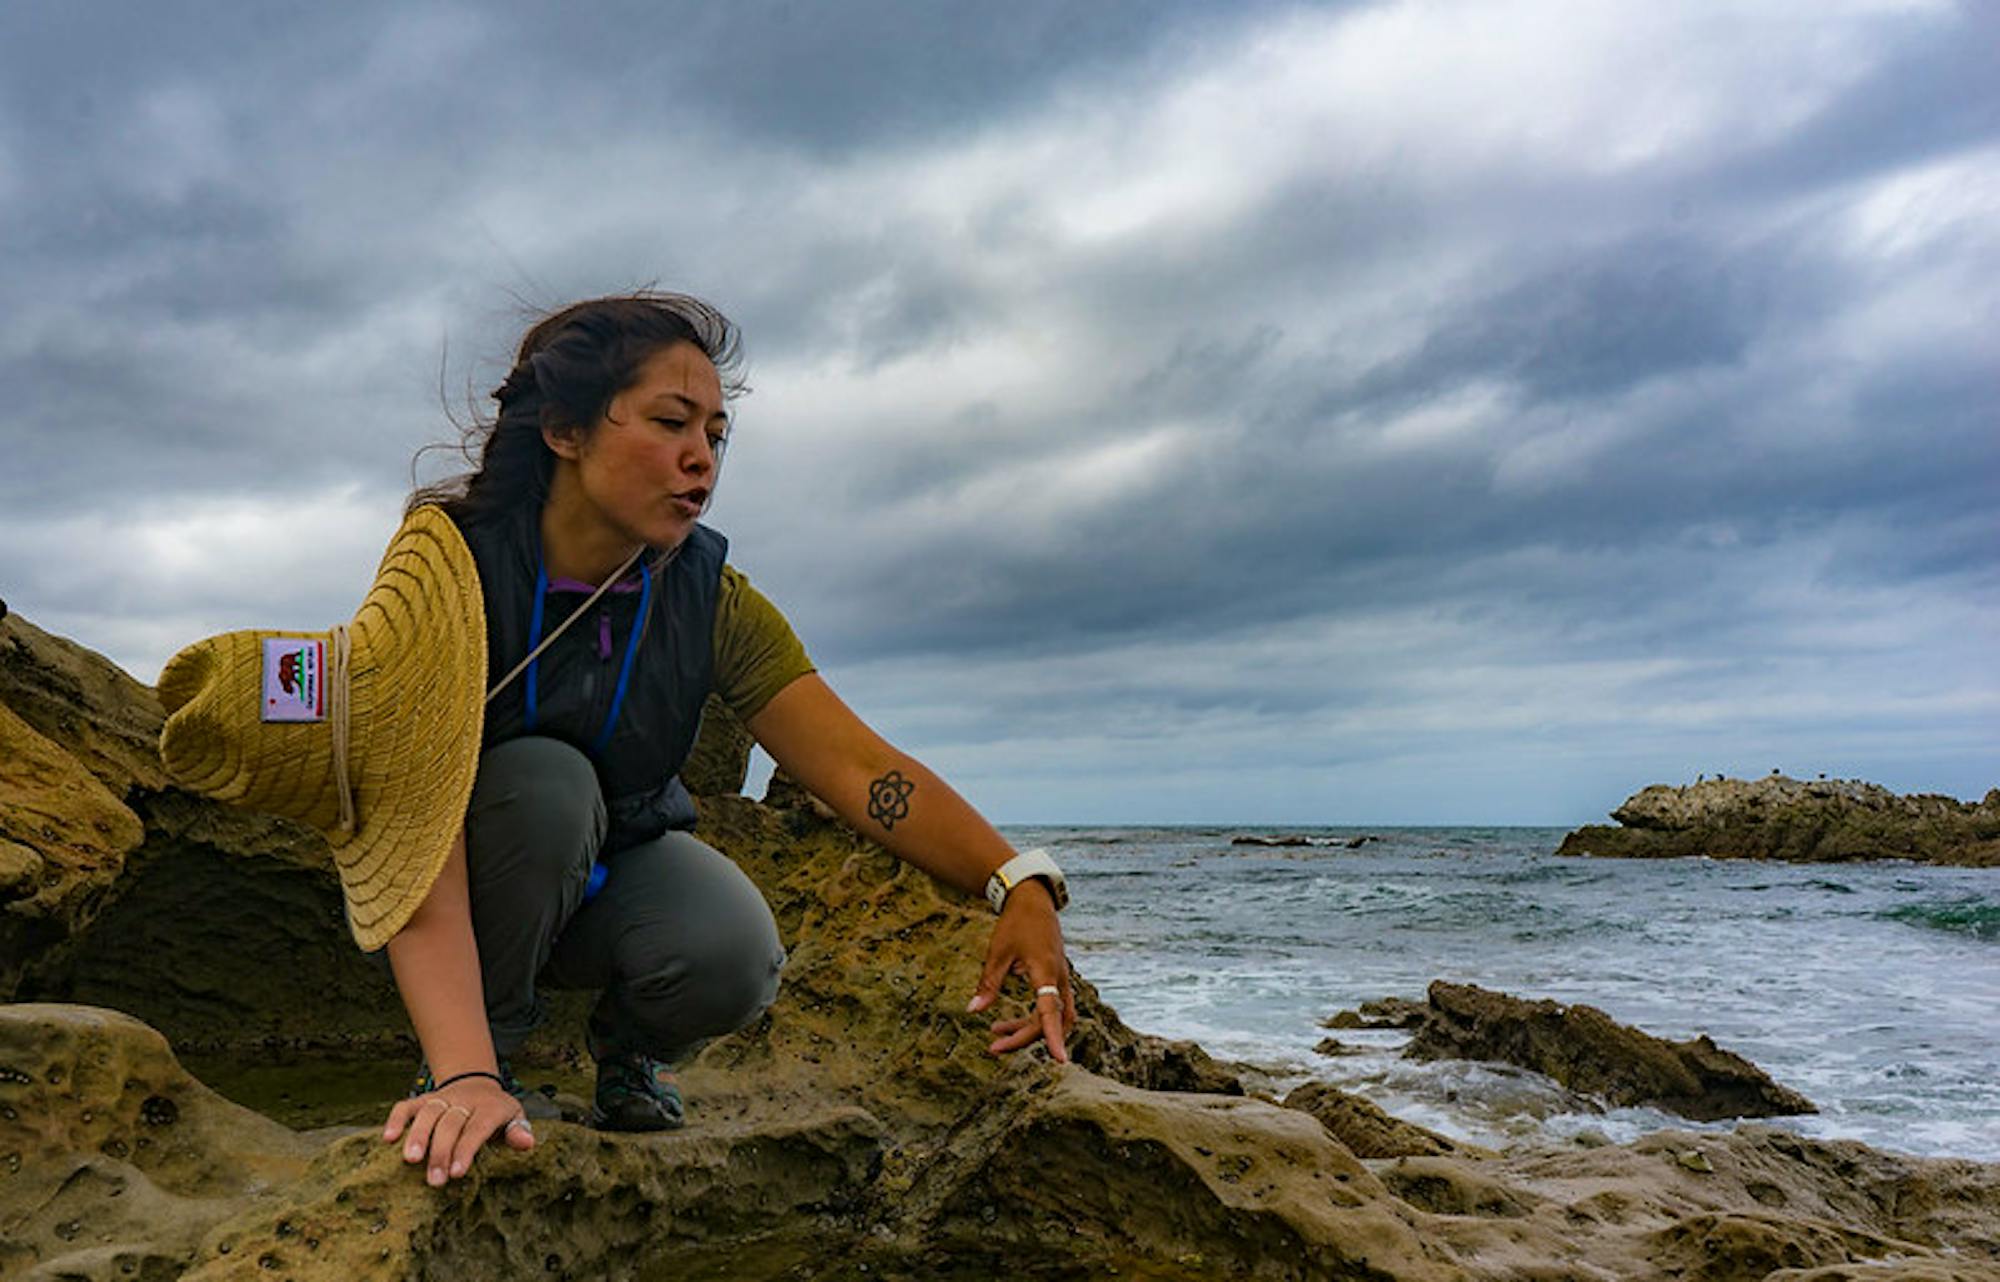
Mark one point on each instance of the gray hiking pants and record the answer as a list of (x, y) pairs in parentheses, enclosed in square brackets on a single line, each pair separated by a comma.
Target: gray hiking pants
[(679, 942)]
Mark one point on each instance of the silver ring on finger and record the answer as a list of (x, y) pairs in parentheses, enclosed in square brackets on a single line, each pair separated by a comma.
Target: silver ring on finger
[(434, 1099), (1048, 990), (458, 1108)]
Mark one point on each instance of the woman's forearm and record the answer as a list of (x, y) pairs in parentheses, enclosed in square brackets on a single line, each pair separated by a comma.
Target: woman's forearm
[(878, 789), (890, 796), (920, 819), (436, 962)]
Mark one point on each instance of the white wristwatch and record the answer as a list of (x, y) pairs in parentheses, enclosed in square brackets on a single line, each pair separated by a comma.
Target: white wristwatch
[(1029, 863)]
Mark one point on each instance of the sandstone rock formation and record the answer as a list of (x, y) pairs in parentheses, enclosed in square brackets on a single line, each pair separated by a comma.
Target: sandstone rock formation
[(1365, 1129), (720, 759), (149, 899), (1589, 1052), (113, 1161), (857, 1131), (115, 1164), (1776, 817)]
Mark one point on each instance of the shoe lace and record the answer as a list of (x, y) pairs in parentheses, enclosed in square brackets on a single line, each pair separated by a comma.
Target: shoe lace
[(642, 1076)]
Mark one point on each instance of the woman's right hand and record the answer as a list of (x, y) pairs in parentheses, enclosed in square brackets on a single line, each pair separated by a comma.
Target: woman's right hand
[(448, 1127), (436, 962)]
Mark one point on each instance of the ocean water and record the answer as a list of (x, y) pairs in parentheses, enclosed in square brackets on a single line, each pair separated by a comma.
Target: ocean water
[(1872, 988)]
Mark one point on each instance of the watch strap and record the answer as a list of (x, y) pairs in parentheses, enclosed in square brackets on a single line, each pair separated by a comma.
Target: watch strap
[(1029, 863)]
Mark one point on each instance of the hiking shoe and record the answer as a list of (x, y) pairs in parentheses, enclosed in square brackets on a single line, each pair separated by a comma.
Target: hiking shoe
[(537, 1106), (636, 1093)]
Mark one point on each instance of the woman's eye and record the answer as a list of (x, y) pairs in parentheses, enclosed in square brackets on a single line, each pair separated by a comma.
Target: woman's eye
[(671, 424), (716, 440)]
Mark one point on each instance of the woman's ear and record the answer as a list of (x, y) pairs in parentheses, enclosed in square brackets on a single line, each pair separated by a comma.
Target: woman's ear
[(563, 442)]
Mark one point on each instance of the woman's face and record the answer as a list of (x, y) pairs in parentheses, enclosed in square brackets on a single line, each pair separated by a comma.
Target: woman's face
[(649, 466)]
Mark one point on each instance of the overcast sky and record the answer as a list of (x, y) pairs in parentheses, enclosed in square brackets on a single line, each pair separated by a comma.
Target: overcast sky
[(1352, 413)]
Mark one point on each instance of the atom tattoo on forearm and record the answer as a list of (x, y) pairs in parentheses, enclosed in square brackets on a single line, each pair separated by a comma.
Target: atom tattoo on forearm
[(889, 798)]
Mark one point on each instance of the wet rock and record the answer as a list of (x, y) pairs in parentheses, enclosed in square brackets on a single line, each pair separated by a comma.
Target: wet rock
[(1587, 1051), (1286, 839), (1793, 820), (1333, 1047), (1389, 1012)]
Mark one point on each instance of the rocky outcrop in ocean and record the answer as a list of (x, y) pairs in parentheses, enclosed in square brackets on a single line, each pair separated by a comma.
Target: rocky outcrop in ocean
[(857, 1131), (1595, 1055), (1797, 821)]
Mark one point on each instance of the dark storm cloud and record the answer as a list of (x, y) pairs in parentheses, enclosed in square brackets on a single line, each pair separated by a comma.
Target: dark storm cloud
[(834, 77), (1256, 531), (182, 160)]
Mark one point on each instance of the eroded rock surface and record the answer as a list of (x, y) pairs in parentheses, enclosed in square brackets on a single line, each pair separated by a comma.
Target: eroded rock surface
[(858, 1130), (1777, 817), (1365, 1128), (720, 759), (1589, 1052), (113, 1161), (74, 742)]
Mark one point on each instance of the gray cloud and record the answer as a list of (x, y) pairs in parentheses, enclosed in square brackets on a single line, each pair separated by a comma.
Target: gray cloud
[(1155, 408)]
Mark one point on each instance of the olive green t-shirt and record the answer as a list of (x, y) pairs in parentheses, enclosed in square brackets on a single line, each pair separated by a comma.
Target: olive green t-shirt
[(756, 652)]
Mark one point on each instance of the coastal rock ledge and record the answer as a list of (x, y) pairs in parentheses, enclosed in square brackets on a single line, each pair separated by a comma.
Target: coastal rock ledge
[(1796, 821), (857, 1131)]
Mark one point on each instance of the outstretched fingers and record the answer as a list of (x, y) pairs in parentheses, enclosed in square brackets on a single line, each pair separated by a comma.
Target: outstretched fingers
[(1054, 1018)]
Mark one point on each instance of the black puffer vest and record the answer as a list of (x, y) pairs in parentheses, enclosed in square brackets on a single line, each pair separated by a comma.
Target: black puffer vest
[(576, 680)]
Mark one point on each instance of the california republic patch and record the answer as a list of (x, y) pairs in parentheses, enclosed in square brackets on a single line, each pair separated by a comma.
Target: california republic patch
[(294, 679)]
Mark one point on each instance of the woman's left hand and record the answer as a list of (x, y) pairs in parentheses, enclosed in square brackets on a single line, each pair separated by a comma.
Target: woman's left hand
[(1028, 941), (890, 797)]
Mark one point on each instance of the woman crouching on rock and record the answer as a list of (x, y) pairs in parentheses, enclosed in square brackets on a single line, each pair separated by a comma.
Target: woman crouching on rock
[(567, 591)]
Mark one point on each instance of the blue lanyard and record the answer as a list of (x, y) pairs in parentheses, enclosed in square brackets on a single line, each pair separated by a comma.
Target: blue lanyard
[(598, 744)]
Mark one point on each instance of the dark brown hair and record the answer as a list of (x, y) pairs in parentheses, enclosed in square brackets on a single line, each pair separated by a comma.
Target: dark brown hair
[(570, 365)]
